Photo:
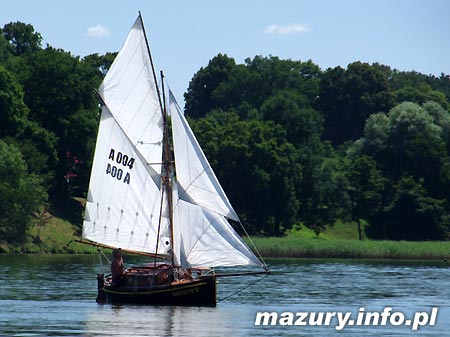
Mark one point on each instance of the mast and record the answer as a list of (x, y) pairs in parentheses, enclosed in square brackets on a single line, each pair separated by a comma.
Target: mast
[(167, 161)]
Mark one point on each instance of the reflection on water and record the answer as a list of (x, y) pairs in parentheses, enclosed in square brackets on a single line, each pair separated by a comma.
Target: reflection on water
[(55, 296), (163, 321)]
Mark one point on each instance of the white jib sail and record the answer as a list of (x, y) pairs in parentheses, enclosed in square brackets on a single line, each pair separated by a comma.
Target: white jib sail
[(206, 239), (197, 182), (203, 236), (124, 201)]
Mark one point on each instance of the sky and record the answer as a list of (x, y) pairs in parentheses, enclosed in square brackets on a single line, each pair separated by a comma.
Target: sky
[(184, 35)]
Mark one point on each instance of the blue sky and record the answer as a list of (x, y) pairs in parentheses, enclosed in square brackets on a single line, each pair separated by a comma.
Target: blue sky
[(185, 35)]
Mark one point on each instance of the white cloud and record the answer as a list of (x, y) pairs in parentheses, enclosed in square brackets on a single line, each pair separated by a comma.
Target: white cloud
[(97, 31), (286, 30)]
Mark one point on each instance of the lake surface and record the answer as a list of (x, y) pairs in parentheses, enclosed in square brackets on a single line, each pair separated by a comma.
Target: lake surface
[(54, 295)]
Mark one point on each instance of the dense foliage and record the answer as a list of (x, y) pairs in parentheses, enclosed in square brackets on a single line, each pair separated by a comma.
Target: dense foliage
[(292, 144), (21, 194)]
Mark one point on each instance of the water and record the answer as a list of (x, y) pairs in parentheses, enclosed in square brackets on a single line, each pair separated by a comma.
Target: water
[(55, 296)]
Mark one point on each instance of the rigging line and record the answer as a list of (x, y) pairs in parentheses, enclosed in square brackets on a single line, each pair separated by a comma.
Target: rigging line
[(242, 289), (101, 263), (254, 246), (151, 61), (100, 259), (159, 224), (101, 252), (157, 235)]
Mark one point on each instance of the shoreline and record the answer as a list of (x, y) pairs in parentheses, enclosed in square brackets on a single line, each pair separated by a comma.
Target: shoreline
[(288, 247), (295, 247), (337, 242)]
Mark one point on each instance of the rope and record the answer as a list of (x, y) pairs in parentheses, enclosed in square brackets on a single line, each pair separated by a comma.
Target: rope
[(254, 247), (109, 261), (100, 259), (240, 290), (101, 264)]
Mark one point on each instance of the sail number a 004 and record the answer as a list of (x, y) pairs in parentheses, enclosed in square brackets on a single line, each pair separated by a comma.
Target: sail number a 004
[(120, 162)]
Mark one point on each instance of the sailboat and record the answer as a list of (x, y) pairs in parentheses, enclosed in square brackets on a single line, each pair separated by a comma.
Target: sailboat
[(157, 195)]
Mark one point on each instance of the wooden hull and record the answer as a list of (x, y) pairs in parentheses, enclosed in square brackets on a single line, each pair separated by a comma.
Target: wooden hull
[(199, 292)]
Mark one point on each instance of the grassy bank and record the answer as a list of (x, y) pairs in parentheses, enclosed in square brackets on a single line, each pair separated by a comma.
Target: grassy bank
[(341, 241), (59, 227), (352, 249), (55, 237)]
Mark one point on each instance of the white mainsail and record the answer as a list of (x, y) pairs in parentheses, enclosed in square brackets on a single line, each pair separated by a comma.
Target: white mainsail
[(127, 206), (130, 92), (123, 204), (124, 198)]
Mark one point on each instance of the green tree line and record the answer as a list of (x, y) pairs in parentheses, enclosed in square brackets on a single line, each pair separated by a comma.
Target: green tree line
[(292, 144)]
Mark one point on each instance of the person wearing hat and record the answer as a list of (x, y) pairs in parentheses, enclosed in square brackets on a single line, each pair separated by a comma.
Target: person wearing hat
[(117, 267)]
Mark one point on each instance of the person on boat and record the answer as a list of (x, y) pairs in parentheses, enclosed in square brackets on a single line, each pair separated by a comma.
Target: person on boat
[(116, 267)]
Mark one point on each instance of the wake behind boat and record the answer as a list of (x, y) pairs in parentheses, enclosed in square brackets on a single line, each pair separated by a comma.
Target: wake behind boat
[(143, 200)]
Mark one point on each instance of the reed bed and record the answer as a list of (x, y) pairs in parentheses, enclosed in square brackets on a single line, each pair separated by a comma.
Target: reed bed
[(352, 249)]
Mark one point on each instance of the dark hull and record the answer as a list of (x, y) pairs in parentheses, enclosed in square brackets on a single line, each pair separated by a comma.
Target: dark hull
[(200, 292)]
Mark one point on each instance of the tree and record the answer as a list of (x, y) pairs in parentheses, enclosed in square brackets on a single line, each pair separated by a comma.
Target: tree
[(441, 117), (293, 111), (37, 145), (407, 140), (5, 50), (59, 92), (13, 111), (202, 95), (409, 145), (417, 141), (349, 96), (411, 214), (322, 181), (267, 76), (419, 88), (243, 88), (324, 195), (101, 63), (366, 187), (22, 37), (257, 167), (21, 194), (420, 94)]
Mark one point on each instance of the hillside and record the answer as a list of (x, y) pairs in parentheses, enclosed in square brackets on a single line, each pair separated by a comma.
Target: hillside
[(54, 231)]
